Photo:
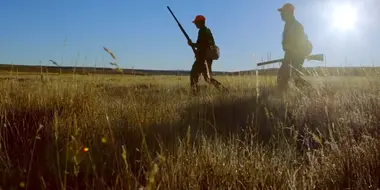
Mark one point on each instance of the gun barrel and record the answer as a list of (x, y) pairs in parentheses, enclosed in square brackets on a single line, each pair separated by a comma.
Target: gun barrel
[(180, 27), (316, 57), (270, 62)]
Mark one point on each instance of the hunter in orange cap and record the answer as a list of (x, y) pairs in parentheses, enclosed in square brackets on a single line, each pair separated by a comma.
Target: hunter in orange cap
[(206, 52), (199, 18), (296, 47)]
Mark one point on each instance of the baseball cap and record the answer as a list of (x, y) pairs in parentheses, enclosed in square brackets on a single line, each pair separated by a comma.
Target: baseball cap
[(287, 7), (199, 17)]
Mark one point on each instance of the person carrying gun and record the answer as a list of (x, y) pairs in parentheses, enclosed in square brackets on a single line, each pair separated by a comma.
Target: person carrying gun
[(296, 47), (203, 60)]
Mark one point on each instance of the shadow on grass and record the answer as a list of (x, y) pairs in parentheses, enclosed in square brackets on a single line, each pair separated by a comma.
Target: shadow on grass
[(249, 118), (221, 118), (260, 118)]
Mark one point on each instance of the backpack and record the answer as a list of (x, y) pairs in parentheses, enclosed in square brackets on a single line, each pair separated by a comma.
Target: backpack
[(304, 46), (213, 52), (307, 46)]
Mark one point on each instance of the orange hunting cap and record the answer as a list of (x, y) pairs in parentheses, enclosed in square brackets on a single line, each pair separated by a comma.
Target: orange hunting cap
[(288, 7), (199, 17)]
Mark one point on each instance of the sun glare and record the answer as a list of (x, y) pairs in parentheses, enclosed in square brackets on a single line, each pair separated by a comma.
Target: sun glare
[(344, 17)]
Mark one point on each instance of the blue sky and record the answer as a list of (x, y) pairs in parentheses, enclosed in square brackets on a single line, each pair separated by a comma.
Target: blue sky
[(143, 34)]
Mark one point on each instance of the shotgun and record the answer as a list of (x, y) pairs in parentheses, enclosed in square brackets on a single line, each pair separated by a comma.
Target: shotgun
[(316, 57), (180, 26)]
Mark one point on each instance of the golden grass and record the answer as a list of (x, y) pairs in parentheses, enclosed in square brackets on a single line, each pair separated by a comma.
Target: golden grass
[(127, 132)]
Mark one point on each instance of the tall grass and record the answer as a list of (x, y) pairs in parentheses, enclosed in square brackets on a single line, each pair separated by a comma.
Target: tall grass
[(93, 132)]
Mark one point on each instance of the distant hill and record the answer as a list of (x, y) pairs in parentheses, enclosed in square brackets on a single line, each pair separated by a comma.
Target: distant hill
[(319, 71)]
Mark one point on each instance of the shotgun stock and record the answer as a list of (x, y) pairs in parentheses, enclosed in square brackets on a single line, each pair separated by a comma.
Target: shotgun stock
[(316, 57), (180, 26)]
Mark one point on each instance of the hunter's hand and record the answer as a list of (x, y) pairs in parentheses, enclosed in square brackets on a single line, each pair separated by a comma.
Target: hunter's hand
[(190, 43)]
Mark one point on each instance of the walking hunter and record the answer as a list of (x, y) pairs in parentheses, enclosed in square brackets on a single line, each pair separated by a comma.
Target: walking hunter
[(206, 52), (296, 47)]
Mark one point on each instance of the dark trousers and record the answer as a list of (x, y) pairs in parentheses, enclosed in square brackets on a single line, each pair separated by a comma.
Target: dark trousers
[(291, 68), (202, 66)]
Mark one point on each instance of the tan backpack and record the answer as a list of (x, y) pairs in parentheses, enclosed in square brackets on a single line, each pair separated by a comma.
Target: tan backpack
[(213, 52)]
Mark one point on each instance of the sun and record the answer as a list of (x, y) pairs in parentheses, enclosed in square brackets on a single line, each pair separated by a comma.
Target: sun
[(344, 17)]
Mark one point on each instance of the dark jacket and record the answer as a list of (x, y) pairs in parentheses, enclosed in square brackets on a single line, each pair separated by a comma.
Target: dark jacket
[(293, 40), (205, 40)]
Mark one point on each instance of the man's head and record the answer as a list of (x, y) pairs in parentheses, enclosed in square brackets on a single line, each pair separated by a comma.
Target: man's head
[(287, 12), (199, 21)]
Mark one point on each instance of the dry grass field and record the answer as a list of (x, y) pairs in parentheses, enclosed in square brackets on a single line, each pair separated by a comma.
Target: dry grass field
[(131, 132)]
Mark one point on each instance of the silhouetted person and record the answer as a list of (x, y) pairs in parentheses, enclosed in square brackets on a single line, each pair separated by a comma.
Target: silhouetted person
[(203, 62), (296, 47)]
